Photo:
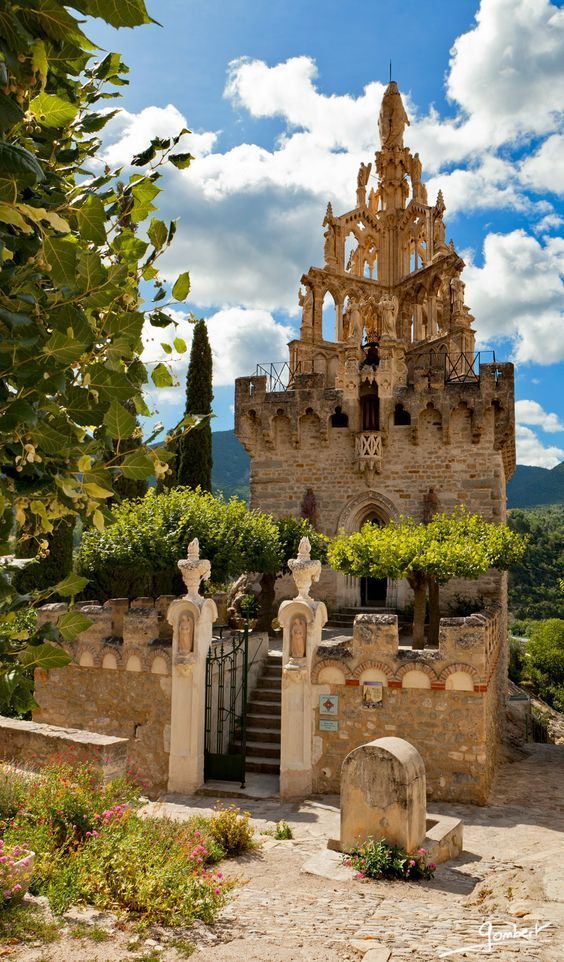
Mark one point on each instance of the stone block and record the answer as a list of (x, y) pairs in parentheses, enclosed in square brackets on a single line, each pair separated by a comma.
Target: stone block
[(140, 626), (118, 607), (51, 613), (101, 627), (383, 794), (378, 634), (31, 744)]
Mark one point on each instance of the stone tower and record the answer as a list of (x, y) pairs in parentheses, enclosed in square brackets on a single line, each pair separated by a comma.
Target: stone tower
[(391, 412)]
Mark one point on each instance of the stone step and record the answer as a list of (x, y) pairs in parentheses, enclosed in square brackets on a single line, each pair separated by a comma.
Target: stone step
[(259, 706), (266, 766), (255, 734), (267, 694), (263, 750), (258, 720), (274, 672)]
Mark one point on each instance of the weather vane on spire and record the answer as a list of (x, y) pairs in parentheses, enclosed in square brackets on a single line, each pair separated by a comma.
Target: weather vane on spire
[(390, 71)]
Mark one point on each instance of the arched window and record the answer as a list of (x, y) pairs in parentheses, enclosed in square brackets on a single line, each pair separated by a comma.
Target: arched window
[(329, 318), (339, 419), (401, 416)]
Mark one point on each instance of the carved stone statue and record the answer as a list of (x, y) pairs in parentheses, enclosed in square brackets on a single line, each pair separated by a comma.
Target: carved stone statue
[(356, 324), (298, 637), (431, 505), (309, 507), (185, 634), (457, 296), (393, 119), (330, 250), (362, 181), (306, 303), (416, 169), (388, 311)]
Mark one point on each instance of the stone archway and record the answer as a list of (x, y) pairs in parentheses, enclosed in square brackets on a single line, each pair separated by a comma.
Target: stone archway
[(362, 506), (368, 506)]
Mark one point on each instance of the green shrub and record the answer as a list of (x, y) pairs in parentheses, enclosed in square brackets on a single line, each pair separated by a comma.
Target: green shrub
[(232, 830), (378, 860), (544, 666), (516, 659), (92, 846), (283, 831), (138, 554)]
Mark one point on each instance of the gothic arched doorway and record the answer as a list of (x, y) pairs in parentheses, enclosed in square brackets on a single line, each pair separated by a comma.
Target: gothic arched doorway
[(373, 591)]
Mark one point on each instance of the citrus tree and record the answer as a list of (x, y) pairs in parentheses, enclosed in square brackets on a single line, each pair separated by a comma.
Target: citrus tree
[(79, 277), (460, 545)]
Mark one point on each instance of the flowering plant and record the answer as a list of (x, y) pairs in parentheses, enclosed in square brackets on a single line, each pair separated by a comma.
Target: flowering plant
[(16, 865), (377, 860)]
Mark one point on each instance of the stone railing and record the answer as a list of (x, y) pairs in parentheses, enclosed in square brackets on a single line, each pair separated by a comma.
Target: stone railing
[(368, 451)]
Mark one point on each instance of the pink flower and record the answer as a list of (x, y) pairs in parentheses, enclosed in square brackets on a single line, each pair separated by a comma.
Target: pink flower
[(432, 866), (412, 862), (217, 891), (17, 888)]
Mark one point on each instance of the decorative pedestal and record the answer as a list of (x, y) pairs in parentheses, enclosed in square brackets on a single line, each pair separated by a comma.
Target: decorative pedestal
[(191, 618), (302, 620)]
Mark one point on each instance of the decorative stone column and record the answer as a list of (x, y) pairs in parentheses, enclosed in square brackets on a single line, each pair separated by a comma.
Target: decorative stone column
[(191, 618), (302, 620)]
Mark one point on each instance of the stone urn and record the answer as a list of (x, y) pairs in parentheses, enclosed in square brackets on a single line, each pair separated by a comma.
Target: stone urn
[(304, 571)]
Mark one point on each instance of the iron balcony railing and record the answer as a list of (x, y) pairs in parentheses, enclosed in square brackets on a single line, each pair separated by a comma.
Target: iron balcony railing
[(457, 368), (279, 375)]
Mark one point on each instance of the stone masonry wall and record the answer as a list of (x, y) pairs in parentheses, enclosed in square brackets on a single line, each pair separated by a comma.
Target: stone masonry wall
[(120, 682), (446, 702)]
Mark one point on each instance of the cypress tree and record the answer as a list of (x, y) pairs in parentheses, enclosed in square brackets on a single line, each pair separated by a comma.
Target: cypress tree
[(126, 488), (55, 566), (194, 449)]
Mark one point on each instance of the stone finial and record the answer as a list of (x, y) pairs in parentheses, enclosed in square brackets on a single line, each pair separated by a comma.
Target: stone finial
[(194, 570), (304, 570)]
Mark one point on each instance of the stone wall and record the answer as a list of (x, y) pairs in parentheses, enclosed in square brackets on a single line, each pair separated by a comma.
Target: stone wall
[(32, 745), (120, 681), (446, 702)]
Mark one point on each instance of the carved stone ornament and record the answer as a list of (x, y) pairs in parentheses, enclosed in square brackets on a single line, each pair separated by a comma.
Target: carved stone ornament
[(304, 570), (194, 570), (298, 637)]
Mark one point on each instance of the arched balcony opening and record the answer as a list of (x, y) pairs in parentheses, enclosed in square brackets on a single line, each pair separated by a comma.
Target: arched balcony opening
[(329, 318)]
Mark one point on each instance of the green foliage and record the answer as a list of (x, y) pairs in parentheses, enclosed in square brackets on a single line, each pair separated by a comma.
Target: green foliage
[(282, 831), (378, 860), (71, 312), (249, 606), (56, 560), (137, 555), (460, 545), (92, 846), (545, 661), (534, 590), (292, 530), (194, 450), (232, 830)]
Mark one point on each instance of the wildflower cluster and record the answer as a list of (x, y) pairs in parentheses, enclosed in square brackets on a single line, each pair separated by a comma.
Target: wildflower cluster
[(15, 869), (377, 860)]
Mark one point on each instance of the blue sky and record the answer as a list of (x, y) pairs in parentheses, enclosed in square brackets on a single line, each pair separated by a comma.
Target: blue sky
[(283, 100)]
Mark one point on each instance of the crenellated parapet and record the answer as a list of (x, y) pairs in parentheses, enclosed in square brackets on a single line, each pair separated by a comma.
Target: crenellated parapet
[(123, 635), (464, 661)]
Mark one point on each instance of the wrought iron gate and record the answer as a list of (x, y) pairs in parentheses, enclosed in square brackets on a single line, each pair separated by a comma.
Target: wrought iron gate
[(226, 708)]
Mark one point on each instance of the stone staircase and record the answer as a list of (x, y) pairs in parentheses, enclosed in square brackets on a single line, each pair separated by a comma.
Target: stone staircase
[(264, 717), (344, 617)]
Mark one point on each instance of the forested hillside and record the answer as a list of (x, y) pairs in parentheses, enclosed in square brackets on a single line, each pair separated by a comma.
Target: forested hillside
[(534, 589)]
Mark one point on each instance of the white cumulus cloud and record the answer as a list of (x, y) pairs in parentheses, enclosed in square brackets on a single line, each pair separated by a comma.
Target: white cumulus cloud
[(518, 294), (531, 412), (530, 449)]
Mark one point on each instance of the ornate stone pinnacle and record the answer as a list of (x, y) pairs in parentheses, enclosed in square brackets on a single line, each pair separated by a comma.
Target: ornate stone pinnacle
[(304, 570), (194, 570)]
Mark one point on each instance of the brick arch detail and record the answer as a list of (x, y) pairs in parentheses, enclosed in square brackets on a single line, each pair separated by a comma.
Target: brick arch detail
[(453, 669), (109, 650), (380, 665), (329, 663), (417, 666), (165, 655), (92, 650)]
